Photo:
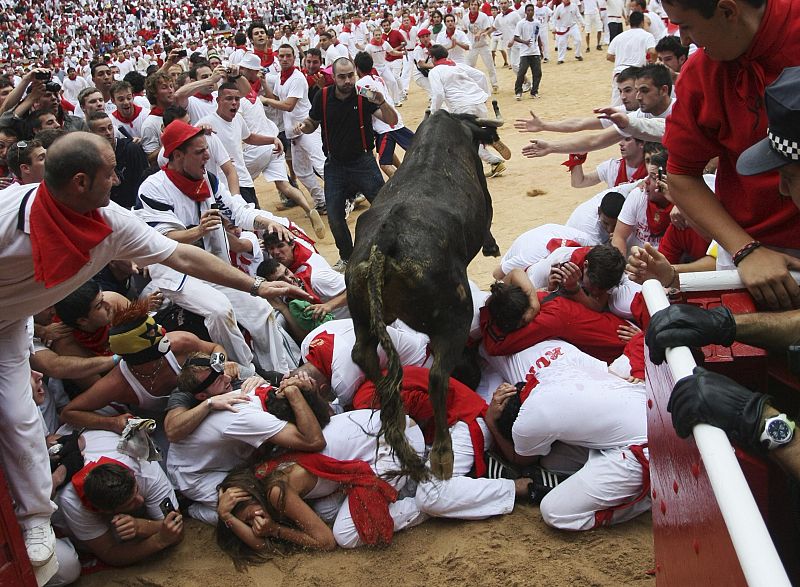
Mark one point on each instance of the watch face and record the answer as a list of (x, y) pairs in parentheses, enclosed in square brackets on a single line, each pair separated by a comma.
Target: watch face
[(779, 431)]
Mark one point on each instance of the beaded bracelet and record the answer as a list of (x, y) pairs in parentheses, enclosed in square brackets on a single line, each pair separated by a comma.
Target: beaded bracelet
[(744, 251)]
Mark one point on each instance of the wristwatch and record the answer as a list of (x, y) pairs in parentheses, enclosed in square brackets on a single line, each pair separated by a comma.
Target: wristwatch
[(256, 284), (778, 431)]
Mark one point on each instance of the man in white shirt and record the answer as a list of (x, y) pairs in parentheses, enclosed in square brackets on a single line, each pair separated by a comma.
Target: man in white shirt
[(526, 34), (542, 14), (615, 10), (478, 27), (653, 22), (331, 47), (633, 48), (505, 23), (454, 40), (463, 90), (72, 85), (567, 23), (591, 18)]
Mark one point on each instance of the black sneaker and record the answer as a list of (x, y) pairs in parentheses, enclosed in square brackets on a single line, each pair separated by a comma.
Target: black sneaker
[(544, 482), (497, 468)]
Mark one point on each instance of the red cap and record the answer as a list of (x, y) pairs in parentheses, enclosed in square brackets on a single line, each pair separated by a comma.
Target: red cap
[(423, 32), (177, 133)]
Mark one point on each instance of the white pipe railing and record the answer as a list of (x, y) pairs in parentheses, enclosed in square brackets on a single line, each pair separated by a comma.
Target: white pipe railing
[(716, 280), (757, 556)]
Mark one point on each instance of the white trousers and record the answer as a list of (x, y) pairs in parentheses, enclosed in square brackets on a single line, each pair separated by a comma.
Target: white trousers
[(423, 83), (408, 68), (485, 53), (513, 57), (463, 497), (573, 33), (273, 348), (69, 567), (544, 36), (404, 512), (392, 79), (260, 159), (23, 452), (308, 162), (610, 478)]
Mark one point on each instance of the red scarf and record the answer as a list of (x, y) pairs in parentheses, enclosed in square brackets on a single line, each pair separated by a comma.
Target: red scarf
[(196, 190), (368, 494), (96, 341), (463, 405), (320, 353), (622, 173), (287, 73), (302, 270), (376, 42), (658, 218), (119, 116), (267, 57), (449, 35), (444, 62), (255, 87), (473, 17), (261, 392), (347, 29), (206, 97), (405, 28), (507, 11), (156, 111), (79, 478), (61, 238)]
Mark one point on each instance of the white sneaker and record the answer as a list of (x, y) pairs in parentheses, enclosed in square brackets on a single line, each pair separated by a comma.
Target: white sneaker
[(526, 87), (518, 97), (40, 542), (341, 266), (348, 207)]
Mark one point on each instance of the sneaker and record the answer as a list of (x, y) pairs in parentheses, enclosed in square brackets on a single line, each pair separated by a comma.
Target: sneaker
[(322, 209), (497, 169), (349, 205), (534, 96), (546, 60), (599, 47), (518, 97), (40, 542), (495, 89), (285, 203), (579, 58), (560, 62), (497, 468), (543, 482), (588, 50), (341, 266), (316, 223), (526, 86), (360, 200)]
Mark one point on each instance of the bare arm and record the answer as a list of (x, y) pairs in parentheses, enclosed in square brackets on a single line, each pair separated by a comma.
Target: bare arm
[(286, 105), (567, 125), (307, 126), (68, 367), (580, 144), (579, 179), (622, 233), (765, 273), (769, 330), (306, 434), (256, 139), (386, 113), (120, 554), (230, 174), (13, 99), (80, 412)]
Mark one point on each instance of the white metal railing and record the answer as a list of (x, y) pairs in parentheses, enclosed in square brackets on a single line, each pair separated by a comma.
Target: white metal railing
[(751, 540)]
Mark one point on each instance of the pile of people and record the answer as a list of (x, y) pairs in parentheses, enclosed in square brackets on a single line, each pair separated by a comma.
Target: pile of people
[(170, 348)]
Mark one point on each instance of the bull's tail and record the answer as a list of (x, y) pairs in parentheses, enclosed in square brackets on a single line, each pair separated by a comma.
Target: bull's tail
[(393, 421)]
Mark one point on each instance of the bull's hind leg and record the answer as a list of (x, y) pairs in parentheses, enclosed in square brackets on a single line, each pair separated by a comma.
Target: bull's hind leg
[(446, 351)]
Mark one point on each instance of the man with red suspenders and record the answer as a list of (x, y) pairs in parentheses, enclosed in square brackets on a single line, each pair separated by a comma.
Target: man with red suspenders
[(350, 165)]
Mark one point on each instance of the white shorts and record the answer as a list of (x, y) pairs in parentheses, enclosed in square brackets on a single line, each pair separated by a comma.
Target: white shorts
[(593, 23), (497, 44)]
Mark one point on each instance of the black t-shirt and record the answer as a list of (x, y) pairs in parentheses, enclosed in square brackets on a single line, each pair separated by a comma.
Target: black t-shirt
[(131, 167), (341, 136)]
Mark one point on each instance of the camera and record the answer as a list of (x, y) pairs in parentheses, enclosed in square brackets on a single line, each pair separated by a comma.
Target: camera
[(42, 75), (182, 53)]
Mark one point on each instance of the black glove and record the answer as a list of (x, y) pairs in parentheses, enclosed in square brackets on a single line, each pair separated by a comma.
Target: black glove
[(687, 325), (73, 461), (710, 398)]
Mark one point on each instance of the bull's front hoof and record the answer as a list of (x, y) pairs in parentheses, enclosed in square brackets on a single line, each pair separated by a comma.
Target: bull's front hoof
[(492, 251), (442, 464)]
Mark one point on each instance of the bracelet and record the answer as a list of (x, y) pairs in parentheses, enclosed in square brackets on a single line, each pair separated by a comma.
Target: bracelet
[(117, 359), (739, 256)]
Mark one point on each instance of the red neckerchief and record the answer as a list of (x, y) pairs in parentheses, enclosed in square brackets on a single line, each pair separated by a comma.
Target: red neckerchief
[(242, 47), (347, 29), (369, 495), (304, 274), (118, 115), (261, 392), (61, 239), (79, 478), (376, 42), (156, 111), (463, 405), (404, 28), (206, 97), (301, 256), (96, 341), (507, 11), (557, 243), (473, 17), (287, 73), (658, 218), (267, 57), (320, 353), (357, 21), (255, 87), (444, 62), (449, 35), (622, 173), (517, 5), (196, 190)]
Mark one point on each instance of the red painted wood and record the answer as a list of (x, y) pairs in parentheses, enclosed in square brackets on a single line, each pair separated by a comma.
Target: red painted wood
[(15, 568)]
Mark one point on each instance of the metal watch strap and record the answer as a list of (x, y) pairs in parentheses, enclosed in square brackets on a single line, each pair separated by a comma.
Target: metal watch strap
[(256, 284)]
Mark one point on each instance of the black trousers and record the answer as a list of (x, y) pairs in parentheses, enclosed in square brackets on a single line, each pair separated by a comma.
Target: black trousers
[(614, 28), (535, 63)]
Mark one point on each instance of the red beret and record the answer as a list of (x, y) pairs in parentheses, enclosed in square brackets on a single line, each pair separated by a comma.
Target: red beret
[(177, 133)]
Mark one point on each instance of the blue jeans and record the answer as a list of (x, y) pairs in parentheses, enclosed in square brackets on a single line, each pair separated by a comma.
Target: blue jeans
[(342, 182)]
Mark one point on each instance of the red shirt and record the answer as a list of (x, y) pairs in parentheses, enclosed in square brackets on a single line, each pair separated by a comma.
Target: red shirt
[(682, 246), (595, 333), (720, 111), (395, 39)]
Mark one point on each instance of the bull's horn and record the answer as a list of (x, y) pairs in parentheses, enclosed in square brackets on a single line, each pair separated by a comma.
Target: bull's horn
[(496, 109), (494, 122), (501, 148)]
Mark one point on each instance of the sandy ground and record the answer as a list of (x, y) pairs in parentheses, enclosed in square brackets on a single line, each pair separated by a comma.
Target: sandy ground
[(517, 549)]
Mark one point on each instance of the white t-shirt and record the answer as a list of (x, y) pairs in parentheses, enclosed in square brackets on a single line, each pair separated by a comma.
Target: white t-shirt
[(23, 296), (151, 481), (217, 157), (378, 53), (325, 281), (375, 82), (586, 218), (458, 86), (634, 213), (538, 243), (232, 134), (294, 87), (482, 22), (630, 48), (151, 133), (199, 108), (528, 31), (334, 340), (333, 52), (607, 171), (454, 52), (506, 24), (222, 441)]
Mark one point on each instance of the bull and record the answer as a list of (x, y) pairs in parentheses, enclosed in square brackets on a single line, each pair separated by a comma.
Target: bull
[(410, 258)]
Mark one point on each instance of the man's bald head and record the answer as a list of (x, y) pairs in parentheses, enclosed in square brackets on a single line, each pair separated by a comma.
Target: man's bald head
[(73, 153)]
